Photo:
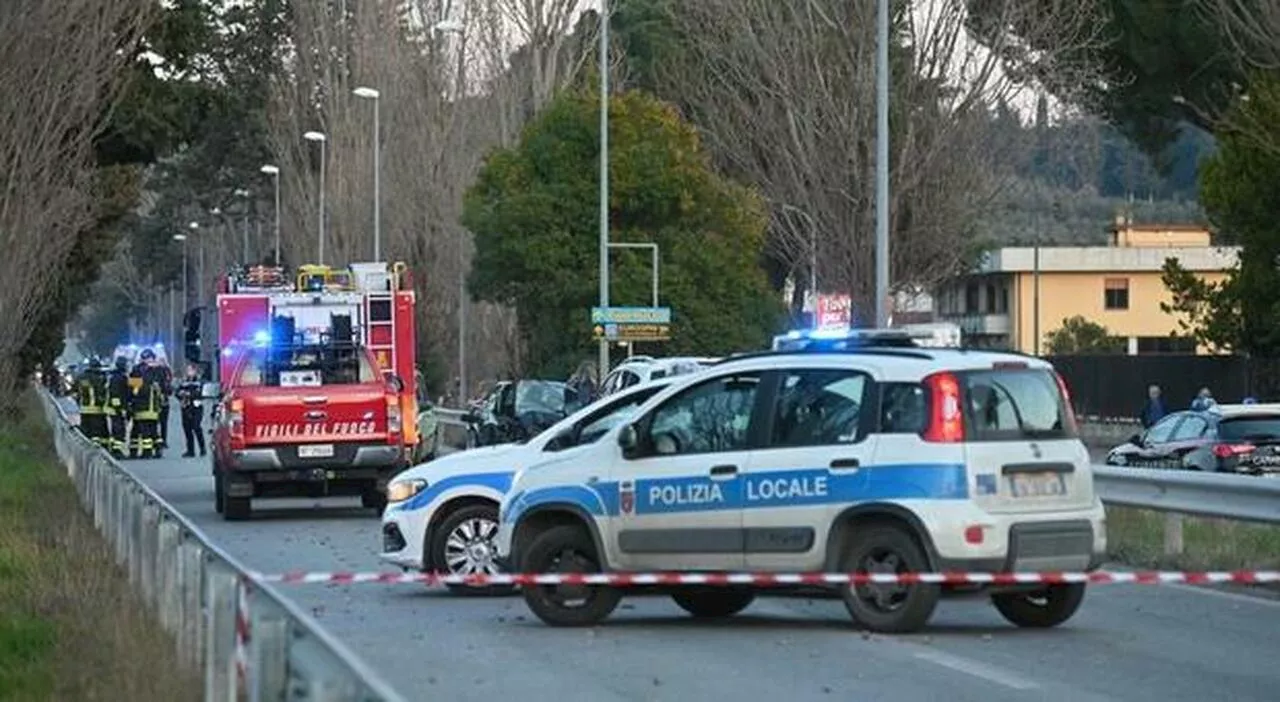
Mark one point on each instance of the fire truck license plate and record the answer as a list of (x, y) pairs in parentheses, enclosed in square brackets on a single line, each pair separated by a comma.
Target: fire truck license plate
[(316, 451)]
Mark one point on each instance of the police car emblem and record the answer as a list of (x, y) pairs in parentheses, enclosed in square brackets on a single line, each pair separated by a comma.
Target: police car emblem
[(627, 497)]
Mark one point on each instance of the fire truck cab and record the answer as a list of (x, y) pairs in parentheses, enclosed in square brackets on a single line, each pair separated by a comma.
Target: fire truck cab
[(318, 384)]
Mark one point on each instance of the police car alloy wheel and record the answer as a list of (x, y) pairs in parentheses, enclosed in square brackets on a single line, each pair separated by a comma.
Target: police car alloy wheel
[(1042, 609), (463, 545), (888, 608), (710, 603), (567, 549)]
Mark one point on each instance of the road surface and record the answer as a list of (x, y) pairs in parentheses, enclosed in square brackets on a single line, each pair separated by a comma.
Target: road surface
[(1128, 642)]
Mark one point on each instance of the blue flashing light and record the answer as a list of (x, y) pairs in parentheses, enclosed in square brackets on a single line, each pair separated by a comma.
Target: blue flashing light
[(227, 352), (262, 338), (829, 333)]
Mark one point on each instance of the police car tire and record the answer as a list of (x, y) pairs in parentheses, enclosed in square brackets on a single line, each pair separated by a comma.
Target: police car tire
[(539, 558), (713, 603), (441, 535), (922, 598), (1060, 604)]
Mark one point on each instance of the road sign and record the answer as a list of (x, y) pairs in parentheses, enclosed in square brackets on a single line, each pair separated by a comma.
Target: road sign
[(631, 332), (630, 315)]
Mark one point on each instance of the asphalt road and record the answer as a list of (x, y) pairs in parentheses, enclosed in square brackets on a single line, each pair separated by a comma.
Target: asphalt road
[(1127, 643)]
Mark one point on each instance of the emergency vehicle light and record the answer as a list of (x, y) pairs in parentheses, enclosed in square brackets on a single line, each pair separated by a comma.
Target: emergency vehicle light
[(262, 337)]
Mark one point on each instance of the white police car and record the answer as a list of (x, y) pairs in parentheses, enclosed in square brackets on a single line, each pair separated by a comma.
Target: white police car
[(441, 516), (889, 460), (637, 370)]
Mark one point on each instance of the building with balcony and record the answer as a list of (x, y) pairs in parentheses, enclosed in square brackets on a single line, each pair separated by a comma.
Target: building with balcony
[(1016, 296)]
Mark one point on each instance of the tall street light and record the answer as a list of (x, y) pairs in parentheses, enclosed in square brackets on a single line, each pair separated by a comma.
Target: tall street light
[(186, 297), (456, 27), (195, 226), (604, 178), (322, 139), (882, 164), (371, 94), (275, 175), (244, 225)]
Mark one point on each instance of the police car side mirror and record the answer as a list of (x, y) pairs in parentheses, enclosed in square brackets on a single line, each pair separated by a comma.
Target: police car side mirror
[(629, 441)]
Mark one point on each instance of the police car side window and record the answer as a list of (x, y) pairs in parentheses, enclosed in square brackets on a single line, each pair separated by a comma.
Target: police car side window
[(711, 417), (818, 408), (903, 408)]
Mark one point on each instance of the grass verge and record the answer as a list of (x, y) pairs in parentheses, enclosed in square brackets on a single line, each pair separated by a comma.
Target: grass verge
[(71, 627), (1136, 537)]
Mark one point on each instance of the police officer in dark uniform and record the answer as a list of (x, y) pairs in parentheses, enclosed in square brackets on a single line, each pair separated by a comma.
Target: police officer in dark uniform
[(91, 394), (189, 394), (119, 396)]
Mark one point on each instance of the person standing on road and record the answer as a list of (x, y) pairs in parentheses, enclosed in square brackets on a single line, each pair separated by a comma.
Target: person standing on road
[(189, 394), (91, 394), (118, 400), (164, 377), (1154, 410), (1204, 400), (145, 407)]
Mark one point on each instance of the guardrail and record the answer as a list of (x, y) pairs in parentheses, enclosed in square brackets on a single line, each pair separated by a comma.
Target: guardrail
[(252, 643)]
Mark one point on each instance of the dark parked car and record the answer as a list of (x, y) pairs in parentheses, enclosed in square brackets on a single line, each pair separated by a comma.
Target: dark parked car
[(1226, 438), (514, 411)]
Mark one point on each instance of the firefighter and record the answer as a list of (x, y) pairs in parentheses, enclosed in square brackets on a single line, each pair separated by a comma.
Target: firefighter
[(118, 400), (91, 393), (164, 378), (189, 394), (146, 399)]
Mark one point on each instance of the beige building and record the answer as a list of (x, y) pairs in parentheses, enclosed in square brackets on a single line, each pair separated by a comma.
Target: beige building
[(1020, 294)]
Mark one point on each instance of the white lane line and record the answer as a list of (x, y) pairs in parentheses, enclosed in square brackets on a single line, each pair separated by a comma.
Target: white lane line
[(977, 670)]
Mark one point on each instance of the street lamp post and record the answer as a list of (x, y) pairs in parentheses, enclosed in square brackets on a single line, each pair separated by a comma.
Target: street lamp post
[(186, 295), (194, 226), (244, 225), (374, 95), (604, 178), (323, 140), (274, 172), (882, 164), (456, 27)]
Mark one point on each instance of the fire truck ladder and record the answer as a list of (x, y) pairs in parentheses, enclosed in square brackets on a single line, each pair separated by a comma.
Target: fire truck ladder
[(380, 319)]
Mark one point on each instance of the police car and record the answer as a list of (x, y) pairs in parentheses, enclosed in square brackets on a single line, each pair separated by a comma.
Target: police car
[(441, 516), (636, 370), (879, 458)]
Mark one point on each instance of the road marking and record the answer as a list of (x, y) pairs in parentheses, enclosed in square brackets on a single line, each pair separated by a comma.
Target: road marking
[(977, 670)]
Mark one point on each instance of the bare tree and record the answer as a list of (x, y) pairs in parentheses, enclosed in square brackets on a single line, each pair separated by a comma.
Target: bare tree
[(61, 70), (1252, 31), (785, 94)]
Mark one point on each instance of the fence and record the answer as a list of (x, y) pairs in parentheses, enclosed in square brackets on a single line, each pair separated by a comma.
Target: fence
[(1116, 385), (252, 643)]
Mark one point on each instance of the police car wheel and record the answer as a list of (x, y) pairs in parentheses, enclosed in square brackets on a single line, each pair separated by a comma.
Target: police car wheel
[(1043, 609), (463, 545), (567, 549), (888, 608), (713, 603)]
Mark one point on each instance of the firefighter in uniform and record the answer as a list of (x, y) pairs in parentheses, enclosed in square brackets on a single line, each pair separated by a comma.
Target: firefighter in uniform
[(91, 394), (145, 408), (164, 377), (118, 401), (189, 394)]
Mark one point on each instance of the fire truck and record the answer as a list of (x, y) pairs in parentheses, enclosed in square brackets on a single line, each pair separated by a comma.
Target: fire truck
[(318, 381)]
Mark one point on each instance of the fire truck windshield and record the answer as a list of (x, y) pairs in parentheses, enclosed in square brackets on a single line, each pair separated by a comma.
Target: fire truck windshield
[(306, 366)]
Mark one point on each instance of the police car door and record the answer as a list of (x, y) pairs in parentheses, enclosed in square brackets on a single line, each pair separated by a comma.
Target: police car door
[(812, 463), (680, 493)]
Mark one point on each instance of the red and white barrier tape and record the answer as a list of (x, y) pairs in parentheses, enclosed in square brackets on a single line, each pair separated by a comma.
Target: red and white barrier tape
[(1245, 577)]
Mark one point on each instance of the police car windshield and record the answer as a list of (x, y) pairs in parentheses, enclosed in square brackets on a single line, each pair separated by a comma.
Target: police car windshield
[(307, 366)]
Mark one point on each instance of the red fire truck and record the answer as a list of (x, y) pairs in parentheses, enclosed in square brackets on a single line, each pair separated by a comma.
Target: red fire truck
[(318, 380)]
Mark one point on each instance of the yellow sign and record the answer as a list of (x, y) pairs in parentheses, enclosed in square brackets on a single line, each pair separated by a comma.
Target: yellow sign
[(631, 332), (384, 360)]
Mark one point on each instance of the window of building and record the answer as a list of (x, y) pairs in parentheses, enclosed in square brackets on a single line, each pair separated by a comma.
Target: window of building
[(1115, 294), (971, 298), (1166, 344), (1003, 307), (991, 299)]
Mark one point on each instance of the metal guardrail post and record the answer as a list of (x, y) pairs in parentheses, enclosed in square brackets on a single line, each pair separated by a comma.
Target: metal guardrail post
[(313, 678), (1173, 543), (150, 525), (268, 653), (136, 535), (190, 558), (220, 633), (166, 601)]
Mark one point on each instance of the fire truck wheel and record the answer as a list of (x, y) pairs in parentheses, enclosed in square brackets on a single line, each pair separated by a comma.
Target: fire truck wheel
[(218, 503), (374, 499), (235, 509)]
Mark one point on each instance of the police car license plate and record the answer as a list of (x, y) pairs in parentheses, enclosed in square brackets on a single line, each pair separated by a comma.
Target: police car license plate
[(1047, 484), (315, 451)]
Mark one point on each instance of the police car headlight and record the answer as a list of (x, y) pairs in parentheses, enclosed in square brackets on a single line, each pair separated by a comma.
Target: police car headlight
[(401, 490)]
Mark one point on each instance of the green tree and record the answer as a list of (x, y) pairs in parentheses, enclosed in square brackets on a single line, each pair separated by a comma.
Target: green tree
[(533, 211), (1080, 336), (1239, 187), (1154, 66)]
